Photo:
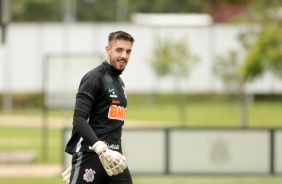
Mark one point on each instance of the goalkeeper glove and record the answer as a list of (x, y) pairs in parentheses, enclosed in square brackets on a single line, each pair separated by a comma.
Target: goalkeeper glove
[(66, 175), (112, 161)]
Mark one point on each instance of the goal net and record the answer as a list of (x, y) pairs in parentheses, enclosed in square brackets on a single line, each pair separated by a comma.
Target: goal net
[(61, 77)]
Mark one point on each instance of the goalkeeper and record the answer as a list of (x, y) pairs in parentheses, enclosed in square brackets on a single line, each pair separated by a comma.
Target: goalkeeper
[(99, 114)]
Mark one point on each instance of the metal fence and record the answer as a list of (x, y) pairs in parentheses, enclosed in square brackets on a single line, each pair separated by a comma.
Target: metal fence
[(200, 151)]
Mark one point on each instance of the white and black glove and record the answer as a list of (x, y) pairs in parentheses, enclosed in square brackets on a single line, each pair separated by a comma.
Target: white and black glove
[(112, 161), (66, 175)]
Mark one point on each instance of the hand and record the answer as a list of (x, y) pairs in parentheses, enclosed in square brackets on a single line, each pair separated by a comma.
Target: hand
[(66, 175), (112, 161)]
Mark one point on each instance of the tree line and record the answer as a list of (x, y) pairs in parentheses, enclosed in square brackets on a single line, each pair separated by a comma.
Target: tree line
[(121, 10)]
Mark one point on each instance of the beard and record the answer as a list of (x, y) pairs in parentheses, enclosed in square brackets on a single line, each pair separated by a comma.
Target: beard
[(118, 64)]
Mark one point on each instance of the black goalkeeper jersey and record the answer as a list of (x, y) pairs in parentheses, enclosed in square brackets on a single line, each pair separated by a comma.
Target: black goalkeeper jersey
[(105, 89)]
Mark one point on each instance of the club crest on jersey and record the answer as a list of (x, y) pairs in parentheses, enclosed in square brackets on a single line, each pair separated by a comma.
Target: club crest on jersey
[(112, 93), (89, 175)]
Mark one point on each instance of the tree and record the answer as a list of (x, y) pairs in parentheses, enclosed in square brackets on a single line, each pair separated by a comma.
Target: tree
[(227, 10), (173, 58), (265, 43), (115, 10), (36, 11), (227, 68), (263, 52)]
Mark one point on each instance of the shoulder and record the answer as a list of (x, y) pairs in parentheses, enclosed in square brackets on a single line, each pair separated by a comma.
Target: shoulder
[(92, 78), (94, 73), (92, 82)]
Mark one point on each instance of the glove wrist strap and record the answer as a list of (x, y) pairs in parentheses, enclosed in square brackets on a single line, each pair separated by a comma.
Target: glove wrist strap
[(99, 146)]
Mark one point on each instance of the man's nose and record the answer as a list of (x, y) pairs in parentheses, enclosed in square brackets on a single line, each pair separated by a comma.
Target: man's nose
[(124, 54)]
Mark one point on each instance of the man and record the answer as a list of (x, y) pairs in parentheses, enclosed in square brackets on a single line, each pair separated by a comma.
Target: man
[(98, 118)]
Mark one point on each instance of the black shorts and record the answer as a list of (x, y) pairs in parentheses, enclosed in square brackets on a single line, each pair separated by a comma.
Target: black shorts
[(87, 168)]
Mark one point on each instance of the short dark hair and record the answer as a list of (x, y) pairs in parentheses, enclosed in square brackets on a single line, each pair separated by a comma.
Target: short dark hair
[(120, 35)]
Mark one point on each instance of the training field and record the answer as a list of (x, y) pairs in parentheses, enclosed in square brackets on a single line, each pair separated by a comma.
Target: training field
[(22, 134), (165, 180)]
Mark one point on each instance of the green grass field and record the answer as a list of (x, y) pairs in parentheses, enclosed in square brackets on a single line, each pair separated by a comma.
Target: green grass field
[(165, 180), (198, 112), (203, 113), (209, 114), (30, 138)]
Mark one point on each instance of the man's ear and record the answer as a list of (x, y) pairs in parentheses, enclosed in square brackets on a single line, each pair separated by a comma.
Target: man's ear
[(107, 50)]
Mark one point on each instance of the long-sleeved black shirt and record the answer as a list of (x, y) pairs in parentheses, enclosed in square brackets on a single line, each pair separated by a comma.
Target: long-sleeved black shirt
[(100, 109)]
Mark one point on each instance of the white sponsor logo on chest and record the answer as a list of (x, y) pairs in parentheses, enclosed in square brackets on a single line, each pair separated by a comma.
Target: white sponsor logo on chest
[(112, 93)]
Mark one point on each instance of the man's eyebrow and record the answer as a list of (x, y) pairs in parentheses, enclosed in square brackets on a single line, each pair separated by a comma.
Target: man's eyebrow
[(124, 49)]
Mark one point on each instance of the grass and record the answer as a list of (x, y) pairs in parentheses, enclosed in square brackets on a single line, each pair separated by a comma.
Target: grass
[(165, 180), (30, 138), (206, 180), (208, 114), (199, 112)]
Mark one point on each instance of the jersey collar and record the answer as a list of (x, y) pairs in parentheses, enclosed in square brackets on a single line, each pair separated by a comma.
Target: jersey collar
[(111, 69)]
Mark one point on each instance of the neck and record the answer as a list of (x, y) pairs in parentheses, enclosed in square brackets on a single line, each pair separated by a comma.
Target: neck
[(113, 70)]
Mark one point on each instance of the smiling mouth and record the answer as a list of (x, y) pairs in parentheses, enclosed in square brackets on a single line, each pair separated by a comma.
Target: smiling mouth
[(122, 62)]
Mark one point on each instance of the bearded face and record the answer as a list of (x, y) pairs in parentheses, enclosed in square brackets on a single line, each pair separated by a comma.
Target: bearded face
[(119, 53)]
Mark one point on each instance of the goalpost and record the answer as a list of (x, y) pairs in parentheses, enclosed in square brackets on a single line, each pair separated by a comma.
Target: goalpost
[(62, 73)]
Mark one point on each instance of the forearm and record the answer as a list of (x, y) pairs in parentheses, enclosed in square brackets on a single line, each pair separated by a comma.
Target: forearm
[(85, 131), (82, 110)]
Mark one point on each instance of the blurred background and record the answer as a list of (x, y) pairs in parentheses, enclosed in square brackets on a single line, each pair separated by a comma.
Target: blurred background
[(204, 87)]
